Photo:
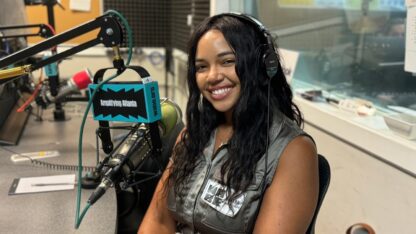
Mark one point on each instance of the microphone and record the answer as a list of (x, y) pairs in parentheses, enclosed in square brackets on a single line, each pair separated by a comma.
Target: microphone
[(137, 147), (79, 81)]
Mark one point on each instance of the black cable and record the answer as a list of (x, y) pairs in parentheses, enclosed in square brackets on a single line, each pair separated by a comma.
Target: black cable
[(267, 139), (53, 166)]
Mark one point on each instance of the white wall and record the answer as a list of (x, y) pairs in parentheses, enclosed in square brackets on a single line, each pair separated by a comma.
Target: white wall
[(12, 12), (180, 89), (96, 58), (219, 6), (363, 189)]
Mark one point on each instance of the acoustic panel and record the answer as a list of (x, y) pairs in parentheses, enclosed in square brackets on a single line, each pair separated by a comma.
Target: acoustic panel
[(149, 20)]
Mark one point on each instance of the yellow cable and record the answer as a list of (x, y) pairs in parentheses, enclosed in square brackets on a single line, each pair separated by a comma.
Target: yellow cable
[(15, 71)]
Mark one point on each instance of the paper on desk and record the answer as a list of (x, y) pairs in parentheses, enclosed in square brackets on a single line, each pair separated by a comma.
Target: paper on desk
[(42, 184)]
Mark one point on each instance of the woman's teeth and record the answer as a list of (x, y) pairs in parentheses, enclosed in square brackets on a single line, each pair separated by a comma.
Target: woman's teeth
[(221, 91)]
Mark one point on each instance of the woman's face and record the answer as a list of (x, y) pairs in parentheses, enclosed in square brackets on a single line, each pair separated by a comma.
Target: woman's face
[(215, 71)]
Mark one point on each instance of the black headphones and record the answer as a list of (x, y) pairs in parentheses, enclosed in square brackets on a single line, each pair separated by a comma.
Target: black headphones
[(270, 60), (269, 56)]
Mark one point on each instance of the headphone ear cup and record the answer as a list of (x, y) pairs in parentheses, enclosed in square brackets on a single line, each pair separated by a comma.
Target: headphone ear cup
[(270, 61), (269, 56)]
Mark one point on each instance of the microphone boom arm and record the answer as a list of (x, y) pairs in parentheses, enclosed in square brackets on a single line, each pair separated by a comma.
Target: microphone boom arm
[(110, 35), (45, 31)]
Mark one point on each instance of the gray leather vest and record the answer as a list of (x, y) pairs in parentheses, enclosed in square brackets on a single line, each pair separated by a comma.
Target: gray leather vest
[(203, 209)]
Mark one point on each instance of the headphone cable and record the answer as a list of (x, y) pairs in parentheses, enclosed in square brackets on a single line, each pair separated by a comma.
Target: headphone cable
[(268, 135)]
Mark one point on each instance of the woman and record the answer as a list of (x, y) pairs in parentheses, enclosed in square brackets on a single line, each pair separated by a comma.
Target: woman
[(242, 164)]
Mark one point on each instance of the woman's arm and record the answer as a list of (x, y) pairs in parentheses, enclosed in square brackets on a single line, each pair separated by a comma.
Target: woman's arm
[(290, 200), (157, 218)]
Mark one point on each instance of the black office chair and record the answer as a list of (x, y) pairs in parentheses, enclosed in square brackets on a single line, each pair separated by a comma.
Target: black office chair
[(324, 179)]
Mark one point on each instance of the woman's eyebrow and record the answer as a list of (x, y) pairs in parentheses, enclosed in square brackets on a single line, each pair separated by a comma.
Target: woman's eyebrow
[(225, 53), (219, 56)]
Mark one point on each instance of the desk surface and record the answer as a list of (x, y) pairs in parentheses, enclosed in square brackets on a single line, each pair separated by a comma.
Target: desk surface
[(364, 133), (53, 212)]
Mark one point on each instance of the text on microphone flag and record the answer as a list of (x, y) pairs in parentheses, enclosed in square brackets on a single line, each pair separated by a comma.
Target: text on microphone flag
[(127, 102)]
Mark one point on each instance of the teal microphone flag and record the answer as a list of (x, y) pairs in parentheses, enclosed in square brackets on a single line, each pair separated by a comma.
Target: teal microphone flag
[(126, 102)]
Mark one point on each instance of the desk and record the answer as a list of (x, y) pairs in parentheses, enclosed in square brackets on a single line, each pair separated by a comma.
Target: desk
[(53, 212), (369, 166)]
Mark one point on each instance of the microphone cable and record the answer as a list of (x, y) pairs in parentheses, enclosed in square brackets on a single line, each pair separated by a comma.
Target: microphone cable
[(48, 165), (79, 216)]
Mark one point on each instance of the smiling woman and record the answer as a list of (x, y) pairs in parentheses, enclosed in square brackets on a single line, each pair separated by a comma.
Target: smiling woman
[(242, 164), (215, 72)]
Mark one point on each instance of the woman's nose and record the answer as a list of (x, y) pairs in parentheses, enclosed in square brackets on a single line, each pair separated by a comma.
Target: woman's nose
[(215, 75)]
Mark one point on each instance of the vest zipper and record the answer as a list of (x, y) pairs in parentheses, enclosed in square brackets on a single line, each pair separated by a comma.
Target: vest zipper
[(222, 146), (204, 182)]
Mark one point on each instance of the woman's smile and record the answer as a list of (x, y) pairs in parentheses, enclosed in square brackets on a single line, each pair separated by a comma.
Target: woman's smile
[(220, 93), (215, 71)]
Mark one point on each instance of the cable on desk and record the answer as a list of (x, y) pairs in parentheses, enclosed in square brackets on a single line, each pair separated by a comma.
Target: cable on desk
[(53, 166), (63, 167)]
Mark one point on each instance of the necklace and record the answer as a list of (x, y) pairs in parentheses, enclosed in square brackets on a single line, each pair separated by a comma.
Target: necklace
[(222, 136)]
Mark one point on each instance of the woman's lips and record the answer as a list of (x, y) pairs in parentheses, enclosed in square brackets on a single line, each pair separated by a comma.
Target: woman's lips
[(220, 93)]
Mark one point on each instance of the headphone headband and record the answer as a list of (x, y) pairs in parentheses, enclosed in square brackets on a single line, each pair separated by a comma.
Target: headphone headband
[(269, 57), (247, 17)]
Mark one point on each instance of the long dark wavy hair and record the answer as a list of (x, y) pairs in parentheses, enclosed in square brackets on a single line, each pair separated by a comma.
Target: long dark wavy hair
[(248, 143)]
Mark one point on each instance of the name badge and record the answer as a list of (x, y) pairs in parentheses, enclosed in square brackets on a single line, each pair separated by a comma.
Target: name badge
[(215, 195)]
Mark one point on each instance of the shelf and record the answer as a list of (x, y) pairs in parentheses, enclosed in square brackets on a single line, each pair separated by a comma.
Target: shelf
[(369, 134)]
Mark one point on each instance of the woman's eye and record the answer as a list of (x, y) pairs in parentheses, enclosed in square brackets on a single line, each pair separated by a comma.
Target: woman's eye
[(200, 68), (229, 61)]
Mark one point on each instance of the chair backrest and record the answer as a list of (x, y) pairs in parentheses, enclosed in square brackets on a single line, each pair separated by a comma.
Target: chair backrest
[(324, 179)]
